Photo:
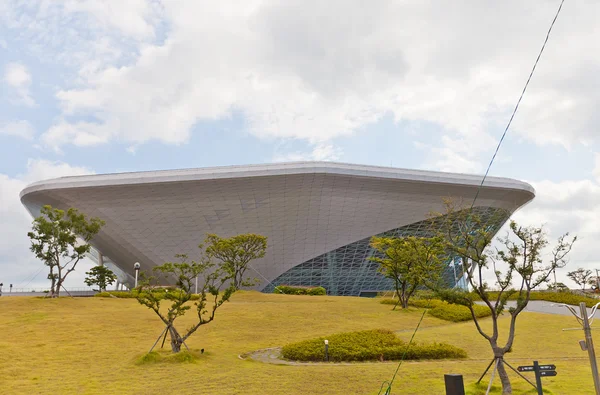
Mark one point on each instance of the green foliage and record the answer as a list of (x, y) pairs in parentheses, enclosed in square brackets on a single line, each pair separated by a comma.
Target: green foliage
[(297, 290), (410, 262), (155, 357), (458, 313), (370, 345), (133, 294), (236, 253), (100, 276), (212, 290), (559, 287), (580, 276), (56, 238), (444, 310), (220, 281)]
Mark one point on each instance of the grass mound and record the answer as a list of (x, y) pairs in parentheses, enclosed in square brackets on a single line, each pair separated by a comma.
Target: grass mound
[(444, 310), (370, 345), (156, 357)]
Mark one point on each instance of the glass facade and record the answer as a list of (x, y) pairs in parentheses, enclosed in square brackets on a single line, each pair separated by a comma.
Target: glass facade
[(348, 271)]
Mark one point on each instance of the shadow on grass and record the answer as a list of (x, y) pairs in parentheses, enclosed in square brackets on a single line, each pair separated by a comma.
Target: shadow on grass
[(164, 356), (481, 388)]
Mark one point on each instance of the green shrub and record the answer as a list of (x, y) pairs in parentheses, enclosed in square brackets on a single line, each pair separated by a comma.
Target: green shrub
[(298, 290), (117, 294), (370, 345), (458, 313), (156, 357), (445, 311), (133, 294)]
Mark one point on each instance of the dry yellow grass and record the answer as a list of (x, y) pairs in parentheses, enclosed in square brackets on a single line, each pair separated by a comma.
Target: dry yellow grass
[(90, 346)]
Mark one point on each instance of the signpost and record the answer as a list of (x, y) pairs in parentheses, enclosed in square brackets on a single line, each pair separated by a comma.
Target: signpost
[(540, 371)]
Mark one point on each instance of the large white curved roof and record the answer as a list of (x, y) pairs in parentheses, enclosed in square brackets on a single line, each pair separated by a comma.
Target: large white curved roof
[(274, 169), (306, 209)]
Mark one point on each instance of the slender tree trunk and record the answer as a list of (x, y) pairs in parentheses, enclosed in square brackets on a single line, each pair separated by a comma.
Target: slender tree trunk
[(57, 290), (176, 340), (504, 379), (52, 278), (506, 386), (398, 294)]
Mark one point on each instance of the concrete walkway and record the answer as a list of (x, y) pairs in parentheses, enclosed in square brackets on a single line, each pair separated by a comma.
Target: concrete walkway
[(541, 306)]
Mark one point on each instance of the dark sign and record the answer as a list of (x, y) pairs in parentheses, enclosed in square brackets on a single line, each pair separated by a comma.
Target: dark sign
[(531, 368), (525, 368), (548, 373)]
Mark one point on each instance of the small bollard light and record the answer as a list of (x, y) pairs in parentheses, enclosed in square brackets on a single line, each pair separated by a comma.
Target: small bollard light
[(136, 267), (327, 350)]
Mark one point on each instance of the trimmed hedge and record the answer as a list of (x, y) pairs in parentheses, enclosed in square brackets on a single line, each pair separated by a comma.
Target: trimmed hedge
[(116, 294), (370, 345), (444, 310), (129, 294), (296, 290)]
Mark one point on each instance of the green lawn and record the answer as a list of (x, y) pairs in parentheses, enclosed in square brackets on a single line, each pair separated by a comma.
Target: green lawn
[(91, 345)]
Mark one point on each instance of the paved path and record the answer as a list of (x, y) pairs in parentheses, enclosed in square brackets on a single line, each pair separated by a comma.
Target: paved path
[(541, 306)]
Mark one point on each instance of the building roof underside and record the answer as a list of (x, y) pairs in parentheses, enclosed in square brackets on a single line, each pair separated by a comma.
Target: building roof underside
[(305, 209)]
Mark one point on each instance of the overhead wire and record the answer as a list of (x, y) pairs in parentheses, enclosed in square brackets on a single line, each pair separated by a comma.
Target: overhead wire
[(518, 102), (514, 112)]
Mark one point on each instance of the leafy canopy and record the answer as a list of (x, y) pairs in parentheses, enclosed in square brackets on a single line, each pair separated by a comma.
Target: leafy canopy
[(60, 240)]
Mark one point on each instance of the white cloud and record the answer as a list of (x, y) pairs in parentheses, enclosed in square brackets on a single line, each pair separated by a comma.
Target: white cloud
[(18, 78), (319, 70), (17, 264), (597, 166), (568, 206), (320, 152), (21, 129)]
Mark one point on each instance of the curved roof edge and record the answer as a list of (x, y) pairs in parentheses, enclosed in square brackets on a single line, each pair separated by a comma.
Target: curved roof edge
[(273, 169)]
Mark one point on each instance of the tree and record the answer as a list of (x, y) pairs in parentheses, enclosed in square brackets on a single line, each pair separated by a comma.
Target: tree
[(61, 239), (410, 262), (580, 276), (100, 276), (220, 281), (593, 282), (558, 287), (236, 253), (518, 261)]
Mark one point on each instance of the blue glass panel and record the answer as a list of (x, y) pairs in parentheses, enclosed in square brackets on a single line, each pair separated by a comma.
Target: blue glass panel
[(348, 271)]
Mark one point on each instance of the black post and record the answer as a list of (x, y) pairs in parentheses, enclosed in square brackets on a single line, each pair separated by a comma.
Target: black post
[(327, 352), (538, 378), (454, 384)]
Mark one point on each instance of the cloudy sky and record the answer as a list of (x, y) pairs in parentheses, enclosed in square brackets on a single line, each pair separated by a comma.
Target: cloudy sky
[(96, 86)]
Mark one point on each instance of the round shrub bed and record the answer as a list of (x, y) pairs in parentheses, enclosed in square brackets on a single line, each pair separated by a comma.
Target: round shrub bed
[(371, 345)]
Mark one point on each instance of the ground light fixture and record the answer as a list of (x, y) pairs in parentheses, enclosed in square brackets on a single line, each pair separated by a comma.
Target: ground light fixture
[(136, 267), (327, 350)]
